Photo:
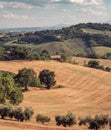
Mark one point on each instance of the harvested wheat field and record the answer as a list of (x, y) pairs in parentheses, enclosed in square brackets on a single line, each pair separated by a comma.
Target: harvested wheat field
[(86, 92), (84, 61)]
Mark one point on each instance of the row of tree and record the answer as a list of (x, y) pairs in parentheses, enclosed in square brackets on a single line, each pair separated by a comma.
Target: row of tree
[(22, 53), (96, 123), (96, 64), (18, 113)]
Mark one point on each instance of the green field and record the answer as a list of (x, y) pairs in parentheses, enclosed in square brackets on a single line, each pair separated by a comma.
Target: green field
[(94, 31), (68, 47), (102, 50)]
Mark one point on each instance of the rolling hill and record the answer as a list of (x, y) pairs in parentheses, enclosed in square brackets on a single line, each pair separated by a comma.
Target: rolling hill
[(86, 40), (86, 92)]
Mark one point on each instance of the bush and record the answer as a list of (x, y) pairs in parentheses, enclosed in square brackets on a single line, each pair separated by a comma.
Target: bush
[(8, 90), (26, 77), (93, 64), (16, 113), (16, 96), (43, 119), (108, 69), (65, 120), (47, 78), (4, 111), (96, 122), (28, 112)]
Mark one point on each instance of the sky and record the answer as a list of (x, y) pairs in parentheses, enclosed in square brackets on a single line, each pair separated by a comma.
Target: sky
[(37, 13)]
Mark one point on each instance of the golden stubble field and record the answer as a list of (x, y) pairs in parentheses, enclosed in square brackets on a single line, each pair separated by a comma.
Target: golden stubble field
[(86, 92)]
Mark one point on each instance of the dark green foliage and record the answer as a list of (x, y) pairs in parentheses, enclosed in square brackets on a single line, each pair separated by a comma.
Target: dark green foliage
[(11, 114), (7, 72), (38, 37), (47, 78), (19, 53), (89, 40), (93, 64), (65, 120), (97, 26), (2, 51), (45, 55), (63, 58), (108, 69), (25, 78), (28, 112), (4, 111), (16, 96), (95, 123), (16, 113), (42, 118), (8, 90)]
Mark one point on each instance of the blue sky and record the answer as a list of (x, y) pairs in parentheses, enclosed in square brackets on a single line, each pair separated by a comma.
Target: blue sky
[(34, 13)]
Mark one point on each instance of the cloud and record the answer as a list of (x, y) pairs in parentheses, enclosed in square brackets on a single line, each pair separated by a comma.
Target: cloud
[(94, 12), (10, 15), (19, 5), (87, 2), (43, 3)]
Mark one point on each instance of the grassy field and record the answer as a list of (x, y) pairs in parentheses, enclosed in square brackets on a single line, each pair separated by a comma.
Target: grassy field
[(77, 46), (86, 91), (94, 31), (84, 61), (68, 47), (102, 50)]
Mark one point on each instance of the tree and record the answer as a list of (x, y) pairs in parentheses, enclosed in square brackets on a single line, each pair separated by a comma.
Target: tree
[(4, 111), (95, 123), (28, 112), (25, 77), (2, 53), (16, 96), (18, 114), (65, 120), (20, 53), (7, 87), (47, 78), (43, 119), (93, 64)]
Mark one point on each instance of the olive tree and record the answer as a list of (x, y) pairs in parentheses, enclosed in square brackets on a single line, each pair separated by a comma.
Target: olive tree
[(47, 78), (25, 77), (8, 90)]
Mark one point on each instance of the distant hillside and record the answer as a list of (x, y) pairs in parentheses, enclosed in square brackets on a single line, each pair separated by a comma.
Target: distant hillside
[(32, 29), (87, 40)]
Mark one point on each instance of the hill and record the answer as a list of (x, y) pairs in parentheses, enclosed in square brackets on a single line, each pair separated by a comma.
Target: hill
[(86, 40), (86, 91)]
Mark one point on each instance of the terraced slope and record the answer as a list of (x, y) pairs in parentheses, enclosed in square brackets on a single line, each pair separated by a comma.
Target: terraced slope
[(86, 92)]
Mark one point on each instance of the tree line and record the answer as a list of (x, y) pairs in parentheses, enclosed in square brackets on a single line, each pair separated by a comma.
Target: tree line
[(22, 53), (93, 123)]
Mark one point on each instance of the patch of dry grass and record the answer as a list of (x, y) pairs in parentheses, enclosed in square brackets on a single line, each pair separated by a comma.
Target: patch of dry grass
[(87, 92)]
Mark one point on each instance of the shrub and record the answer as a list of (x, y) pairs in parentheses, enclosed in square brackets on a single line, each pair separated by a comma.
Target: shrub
[(28, 112), (108, 69), (65, 120), (26, 77), (16, 96), (18, 114), (42, 118), (93, 64), (47, 78), (4, 111), (95, 123)]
